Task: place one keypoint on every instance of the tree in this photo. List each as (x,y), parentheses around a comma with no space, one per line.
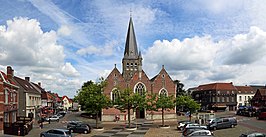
(127,100)
(188,103)
(92,99)
(179,88)
(164,103)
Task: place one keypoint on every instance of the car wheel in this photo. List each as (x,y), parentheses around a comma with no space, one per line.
(214,128)
(85,132)
(232,126)
(42,136)
(71,130)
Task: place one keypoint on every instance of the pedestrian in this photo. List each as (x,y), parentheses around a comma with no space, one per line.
(49,120)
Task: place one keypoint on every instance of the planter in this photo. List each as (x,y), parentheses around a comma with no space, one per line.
(164,127)
(98,129)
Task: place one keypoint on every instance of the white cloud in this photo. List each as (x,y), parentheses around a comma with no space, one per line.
(32,52)
(69,70)
(64,31)
(107,50)
(246,48)
(199,59)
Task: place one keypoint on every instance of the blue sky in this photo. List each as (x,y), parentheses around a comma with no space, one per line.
(63,43)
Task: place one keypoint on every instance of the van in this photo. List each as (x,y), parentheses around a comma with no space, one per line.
(219,123)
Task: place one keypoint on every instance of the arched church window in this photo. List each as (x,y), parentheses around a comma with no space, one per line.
(140,89)
(127,65)
(163,92)
(115,95)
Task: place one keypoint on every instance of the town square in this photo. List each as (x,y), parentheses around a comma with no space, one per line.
(178,68)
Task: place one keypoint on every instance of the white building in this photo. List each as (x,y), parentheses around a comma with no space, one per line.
(244,95)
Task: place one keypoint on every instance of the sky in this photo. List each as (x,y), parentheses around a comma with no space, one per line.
(64,43)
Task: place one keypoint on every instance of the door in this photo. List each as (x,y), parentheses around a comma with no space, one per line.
(140,113)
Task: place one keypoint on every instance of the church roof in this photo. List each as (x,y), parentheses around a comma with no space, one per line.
(131,49)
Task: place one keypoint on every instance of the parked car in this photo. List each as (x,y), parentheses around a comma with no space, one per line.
(72,124)
(59,115)
(63,113)
(80,128)
(181,124)
(247,111)
(225,122)
(190,130)
(252,134)
(261,113)
(56,133)
(201,133)
(53,118)
(193,125)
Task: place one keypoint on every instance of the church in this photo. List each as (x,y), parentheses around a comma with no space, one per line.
(135,78)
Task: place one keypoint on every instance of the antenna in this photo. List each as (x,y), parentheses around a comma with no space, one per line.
(130,13)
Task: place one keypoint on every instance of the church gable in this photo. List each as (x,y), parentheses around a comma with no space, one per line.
(163,81)
(114,80)
(140,78)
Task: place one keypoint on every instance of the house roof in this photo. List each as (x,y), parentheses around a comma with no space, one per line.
(262,92)
(5,79)
(217,86)
(69,100)
(245,89)
(26,85)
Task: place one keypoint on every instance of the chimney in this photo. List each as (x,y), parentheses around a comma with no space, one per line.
(27,79)
(39,84)
(10,72)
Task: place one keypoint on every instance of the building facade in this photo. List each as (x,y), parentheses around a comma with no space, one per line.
(244,95)
(29,97)
(216,96)
(135,78)
(66,102)
(8,99)
(259,99)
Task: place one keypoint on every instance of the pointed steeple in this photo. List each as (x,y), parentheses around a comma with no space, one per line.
(131,49)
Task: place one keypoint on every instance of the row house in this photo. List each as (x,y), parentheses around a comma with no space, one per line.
(8,99)
(259,99)
(29,97)
(244,95)
(216,96)
(66,102)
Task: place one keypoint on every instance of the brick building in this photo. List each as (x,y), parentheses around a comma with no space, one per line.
(259,99)
(216,96)
(135,78)
(8,99)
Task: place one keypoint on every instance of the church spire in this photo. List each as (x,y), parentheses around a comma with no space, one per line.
(131,49)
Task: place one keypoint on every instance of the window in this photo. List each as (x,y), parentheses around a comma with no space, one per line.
(218,92)
(115,95)
(233,99)
(240,98)
(140,89)
(245,98)
(213,99)
(163,92)
(218,99)
(227,99)
(6,96)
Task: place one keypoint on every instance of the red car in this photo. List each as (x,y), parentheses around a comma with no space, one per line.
(261,113)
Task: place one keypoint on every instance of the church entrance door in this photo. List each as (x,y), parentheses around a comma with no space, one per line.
(140,113)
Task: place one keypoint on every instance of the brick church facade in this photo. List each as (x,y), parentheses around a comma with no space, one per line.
(135,78)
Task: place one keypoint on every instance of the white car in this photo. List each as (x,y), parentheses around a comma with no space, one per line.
(201,133)
(194,125)
(53,118)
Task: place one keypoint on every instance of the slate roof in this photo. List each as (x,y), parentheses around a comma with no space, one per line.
(131,49)
(26,85)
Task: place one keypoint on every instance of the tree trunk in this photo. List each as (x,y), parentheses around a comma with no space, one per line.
(163,117)
(97,120)
(128,113)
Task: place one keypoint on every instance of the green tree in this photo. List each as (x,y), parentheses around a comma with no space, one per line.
(188,103)
(151,103)
(164,103)
(179,88)
(92,99)
(127,100)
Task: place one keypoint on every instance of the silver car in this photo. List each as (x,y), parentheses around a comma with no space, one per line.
(56,133)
